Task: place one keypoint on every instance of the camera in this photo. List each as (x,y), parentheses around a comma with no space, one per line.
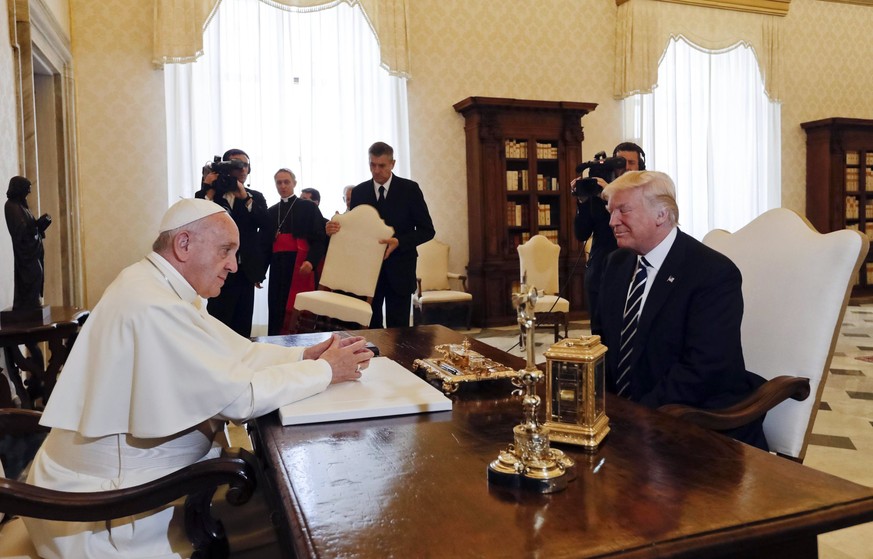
(225,182)
(600,167)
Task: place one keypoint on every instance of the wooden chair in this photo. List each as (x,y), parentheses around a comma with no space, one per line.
(796,285)
(354,258)
(538,262)
(197,482)
(434,293)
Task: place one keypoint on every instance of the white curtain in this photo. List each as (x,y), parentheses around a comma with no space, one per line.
(300,90)
(710,125)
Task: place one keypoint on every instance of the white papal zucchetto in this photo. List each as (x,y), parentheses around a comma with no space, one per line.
(187,210)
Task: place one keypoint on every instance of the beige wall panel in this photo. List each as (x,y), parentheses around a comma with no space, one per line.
(8,152)
(122,136)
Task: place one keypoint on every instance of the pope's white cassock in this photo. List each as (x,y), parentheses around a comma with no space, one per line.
(139,397)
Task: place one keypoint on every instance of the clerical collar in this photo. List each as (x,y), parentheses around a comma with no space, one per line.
(177,282)
(286,200)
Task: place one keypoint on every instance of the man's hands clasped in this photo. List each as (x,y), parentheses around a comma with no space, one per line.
(347,357)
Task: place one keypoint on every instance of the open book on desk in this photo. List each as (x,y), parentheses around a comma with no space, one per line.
(385,388)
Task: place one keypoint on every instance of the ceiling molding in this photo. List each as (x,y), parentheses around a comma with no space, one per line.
(769,7)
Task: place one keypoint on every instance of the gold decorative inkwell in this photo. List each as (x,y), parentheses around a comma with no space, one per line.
(459,364)
(529,462)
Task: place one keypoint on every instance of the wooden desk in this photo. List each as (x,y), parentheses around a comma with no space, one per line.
(416,486)
(60,334)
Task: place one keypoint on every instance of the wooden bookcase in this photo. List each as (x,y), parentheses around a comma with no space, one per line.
(839,181)
(521,157)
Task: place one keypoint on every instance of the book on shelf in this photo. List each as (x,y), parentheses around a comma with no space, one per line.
(544,214)
(515,214)
(852,178)
(546,150)
(550,234)
(852,158)
(515,149)
(869,270)
(516,180)
(852,209)
(869,158)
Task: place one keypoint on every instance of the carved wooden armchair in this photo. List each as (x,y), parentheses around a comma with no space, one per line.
(796,286)
(354,258)
(434,292)
(197,482)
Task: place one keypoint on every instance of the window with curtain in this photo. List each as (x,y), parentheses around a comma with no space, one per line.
(710,125)
(302,89)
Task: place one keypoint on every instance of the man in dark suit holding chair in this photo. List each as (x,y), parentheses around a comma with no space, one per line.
(670,308)
(401,205)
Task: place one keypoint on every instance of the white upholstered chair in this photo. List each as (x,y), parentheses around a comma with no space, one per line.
(796,285)
(354,258)
(434,293)
(538,260)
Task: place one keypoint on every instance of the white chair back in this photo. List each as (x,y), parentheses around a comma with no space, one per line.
(796,285)
(538,258)
(354,256)
(432,267)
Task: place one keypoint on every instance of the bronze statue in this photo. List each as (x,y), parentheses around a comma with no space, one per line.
(27,234)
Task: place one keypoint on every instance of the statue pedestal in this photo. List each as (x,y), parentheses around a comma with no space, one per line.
(39,315)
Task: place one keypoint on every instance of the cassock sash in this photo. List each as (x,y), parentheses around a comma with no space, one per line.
(286,242)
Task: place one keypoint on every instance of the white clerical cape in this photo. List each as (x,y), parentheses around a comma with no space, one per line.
(150,362)
(149,365)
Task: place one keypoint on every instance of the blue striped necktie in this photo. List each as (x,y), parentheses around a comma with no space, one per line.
(629,327)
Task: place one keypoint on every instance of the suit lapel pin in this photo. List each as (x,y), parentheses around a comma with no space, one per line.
(670,279)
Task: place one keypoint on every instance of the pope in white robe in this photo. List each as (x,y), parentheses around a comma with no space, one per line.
(152,377)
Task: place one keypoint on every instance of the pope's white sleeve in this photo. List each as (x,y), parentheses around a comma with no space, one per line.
(280,377)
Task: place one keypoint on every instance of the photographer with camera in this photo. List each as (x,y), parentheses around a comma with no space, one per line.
(592,219)
(224,184)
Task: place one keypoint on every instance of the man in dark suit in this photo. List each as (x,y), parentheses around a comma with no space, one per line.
(248,208)
(401,204)
(680,341)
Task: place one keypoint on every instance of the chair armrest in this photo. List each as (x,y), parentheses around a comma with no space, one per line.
(418,287)
(461,277)
(765,398)
(235,467)
(19,422)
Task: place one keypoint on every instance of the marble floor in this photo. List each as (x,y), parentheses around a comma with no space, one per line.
(842,439)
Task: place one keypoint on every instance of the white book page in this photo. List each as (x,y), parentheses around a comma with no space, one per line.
(385,388)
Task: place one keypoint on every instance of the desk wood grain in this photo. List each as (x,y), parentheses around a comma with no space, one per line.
(416,486)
